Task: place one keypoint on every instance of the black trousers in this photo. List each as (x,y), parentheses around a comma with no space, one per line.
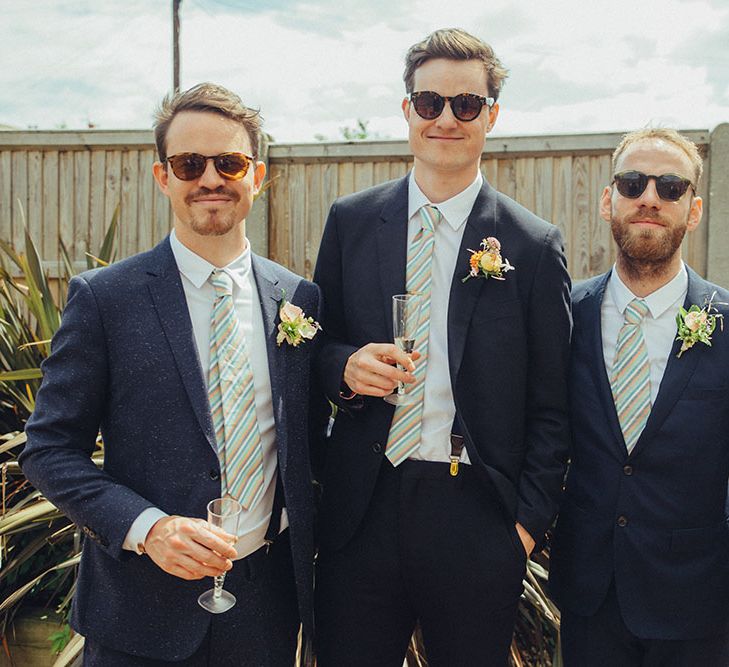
(603,640)
(260,630)
(432,548)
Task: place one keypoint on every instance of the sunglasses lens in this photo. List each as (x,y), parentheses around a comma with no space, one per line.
(466,107)
(631,184)
(428,105)
(671,187)
(187,166)
(232,166)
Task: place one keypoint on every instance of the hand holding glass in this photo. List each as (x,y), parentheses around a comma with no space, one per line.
(405,321)
(223,513)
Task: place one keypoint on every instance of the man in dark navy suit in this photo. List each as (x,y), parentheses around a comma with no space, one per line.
(640,561)
(132,357)
(431,510)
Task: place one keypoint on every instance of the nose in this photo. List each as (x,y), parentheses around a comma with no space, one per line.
(446,119)
(210,178)
(650,197)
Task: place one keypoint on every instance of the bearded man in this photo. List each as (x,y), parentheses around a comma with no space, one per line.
(640,561)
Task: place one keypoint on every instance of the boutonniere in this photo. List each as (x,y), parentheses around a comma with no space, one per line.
(488,262)
(696,325)
(295,327)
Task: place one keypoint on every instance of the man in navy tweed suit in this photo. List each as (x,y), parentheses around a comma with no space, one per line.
(131,358)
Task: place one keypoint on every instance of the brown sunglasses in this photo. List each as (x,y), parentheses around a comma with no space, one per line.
(190,166)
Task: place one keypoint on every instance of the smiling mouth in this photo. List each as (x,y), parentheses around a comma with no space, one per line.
(211,200)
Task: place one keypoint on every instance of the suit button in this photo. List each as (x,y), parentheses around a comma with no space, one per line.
(622,521)
(628,470)
(214,475)
(377,448)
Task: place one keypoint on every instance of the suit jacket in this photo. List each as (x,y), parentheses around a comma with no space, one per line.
(125,360)
(655,519)
(508,347)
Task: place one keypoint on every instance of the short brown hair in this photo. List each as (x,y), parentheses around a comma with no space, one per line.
(455,44)
(208,97)
(668,135)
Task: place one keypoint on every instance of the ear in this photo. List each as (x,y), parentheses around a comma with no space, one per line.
(493,115)
(159,170)
(606,203)
(259,173)
(695,212)
(405,106)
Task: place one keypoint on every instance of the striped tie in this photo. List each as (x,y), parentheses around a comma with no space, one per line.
(232,400)
(404,436)
(630,383)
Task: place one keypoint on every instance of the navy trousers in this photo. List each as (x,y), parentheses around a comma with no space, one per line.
(434,549)
(261,629)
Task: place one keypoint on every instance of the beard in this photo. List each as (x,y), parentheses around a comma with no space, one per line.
(647,252)
(213,222)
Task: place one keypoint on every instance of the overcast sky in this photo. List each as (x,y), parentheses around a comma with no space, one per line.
(313,67)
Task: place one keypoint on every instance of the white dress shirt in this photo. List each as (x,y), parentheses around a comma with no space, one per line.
(658,326)
(439,408)
(200,297)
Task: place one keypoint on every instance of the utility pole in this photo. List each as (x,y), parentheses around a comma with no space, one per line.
(176,45)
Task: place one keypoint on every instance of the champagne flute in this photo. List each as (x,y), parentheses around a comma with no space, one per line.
(405,320)
(223,513)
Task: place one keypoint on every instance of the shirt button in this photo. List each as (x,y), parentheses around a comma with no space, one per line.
(377,448)
(214,475)
(622,521)
(628,470)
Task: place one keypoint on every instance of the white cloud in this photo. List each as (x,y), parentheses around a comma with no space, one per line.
(576,65)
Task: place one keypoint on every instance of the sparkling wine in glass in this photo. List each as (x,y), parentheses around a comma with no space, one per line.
(405,320)
(223,513)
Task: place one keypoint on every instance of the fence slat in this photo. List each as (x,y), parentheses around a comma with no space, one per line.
(580,251)
(6,195)
(278,239)
(34,211)
(562,202)
(81,204)
(129,217)
(602,248)
(66,199)
(19,200)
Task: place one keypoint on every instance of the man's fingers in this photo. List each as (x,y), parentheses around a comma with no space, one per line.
(392,354)
(216,539)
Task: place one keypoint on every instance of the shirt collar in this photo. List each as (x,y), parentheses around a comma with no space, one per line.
(455,211)
(197,270)
(659,301)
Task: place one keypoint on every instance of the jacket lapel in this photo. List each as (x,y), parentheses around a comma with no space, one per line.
(270,297)
(392,248)
(169,301)
(678,371)
(590,325)
(464,296)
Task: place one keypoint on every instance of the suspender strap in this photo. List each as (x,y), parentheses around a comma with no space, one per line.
(279,501)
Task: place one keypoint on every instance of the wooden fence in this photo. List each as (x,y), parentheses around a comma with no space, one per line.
(70,183)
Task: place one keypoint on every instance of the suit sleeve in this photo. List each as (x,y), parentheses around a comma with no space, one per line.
(547,428)
(334,351)
(62,430)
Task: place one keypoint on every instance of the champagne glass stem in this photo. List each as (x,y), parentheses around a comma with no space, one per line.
(218,585)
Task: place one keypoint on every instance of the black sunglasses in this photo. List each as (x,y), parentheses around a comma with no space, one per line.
(190,166)
(465,107)
(670,187)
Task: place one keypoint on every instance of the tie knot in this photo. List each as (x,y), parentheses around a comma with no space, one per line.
(636,310)
(430,217)
(222,283)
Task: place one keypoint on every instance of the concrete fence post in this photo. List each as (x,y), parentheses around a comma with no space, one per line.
(718,233)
